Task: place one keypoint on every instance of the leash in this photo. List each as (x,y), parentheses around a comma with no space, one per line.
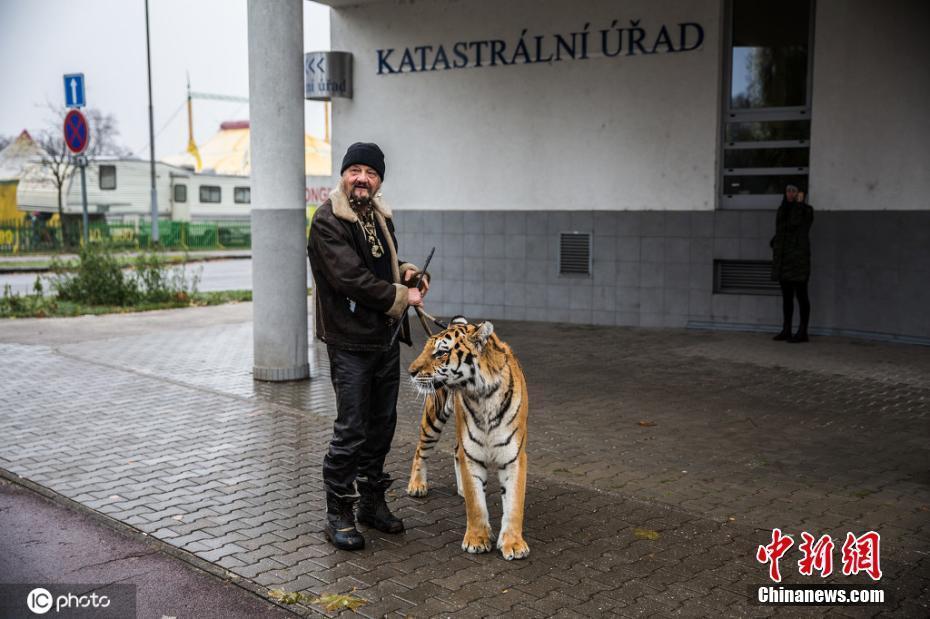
(400,323)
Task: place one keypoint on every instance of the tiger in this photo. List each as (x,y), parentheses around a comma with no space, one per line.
(468,371)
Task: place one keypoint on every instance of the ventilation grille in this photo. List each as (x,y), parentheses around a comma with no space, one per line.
(575,253)
(744,277)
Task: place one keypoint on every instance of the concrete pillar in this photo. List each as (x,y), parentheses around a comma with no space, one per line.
(279,245)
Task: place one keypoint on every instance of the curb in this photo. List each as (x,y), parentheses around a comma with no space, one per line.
(159,545)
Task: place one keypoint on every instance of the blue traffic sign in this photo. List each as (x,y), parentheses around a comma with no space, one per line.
(74,90)
(77,135)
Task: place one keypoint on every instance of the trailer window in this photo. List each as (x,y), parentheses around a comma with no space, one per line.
(242,195)
(107,177)
(180,193)
(210,194)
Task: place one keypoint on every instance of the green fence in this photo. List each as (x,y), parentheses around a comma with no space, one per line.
(22,237)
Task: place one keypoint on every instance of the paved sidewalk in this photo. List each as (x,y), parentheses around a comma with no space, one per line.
(710,440)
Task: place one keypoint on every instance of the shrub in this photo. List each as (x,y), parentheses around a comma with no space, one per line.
(99,279)
(34,305)
(158,282)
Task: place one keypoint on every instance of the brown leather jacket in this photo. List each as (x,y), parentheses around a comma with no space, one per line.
(355,310)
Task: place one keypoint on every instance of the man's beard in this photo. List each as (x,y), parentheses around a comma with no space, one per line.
(360,202)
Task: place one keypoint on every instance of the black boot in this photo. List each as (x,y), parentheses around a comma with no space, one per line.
(800,336)
(783,335)
(373,510)
(340,523)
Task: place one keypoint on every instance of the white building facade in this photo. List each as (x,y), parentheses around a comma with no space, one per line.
(620,163)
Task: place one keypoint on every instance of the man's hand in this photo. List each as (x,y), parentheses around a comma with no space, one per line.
(409,274)
(414,297)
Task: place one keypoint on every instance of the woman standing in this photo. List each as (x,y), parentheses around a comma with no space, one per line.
(791,260)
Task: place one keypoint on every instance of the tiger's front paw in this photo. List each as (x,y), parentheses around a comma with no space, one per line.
(512,546)
(417,487)
(477,540)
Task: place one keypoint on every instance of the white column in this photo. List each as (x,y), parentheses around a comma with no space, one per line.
(279,245)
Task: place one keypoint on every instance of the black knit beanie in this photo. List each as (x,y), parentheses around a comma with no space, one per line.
(365,153)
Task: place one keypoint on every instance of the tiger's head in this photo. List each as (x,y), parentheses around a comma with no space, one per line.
(454,358)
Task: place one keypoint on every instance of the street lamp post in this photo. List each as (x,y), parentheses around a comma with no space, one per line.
(154,191)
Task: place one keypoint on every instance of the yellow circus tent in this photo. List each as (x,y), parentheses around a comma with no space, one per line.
(227,152)
(13,160)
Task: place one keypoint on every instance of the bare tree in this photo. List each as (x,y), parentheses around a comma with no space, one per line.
(57,160)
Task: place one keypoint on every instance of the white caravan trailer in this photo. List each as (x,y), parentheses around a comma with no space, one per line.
(118,190)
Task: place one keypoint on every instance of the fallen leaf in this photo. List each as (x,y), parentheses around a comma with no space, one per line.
(333,602)
(647,424)
(645,534)
(286,597)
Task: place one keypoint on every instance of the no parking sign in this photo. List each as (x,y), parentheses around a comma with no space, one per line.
(77,133)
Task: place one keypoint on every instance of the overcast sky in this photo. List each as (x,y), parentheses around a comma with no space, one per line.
(41,40)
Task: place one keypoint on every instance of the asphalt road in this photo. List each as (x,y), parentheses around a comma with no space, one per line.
(214,275)
(43,544)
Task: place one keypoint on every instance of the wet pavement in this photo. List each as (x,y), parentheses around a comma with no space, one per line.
(659,461)
(44,542)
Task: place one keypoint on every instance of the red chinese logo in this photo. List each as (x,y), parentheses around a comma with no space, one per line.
(773,552)
(860,554)
(817,555)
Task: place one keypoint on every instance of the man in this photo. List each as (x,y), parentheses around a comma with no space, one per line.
(360,295)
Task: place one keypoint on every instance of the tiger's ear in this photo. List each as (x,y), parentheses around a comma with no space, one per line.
(482,333)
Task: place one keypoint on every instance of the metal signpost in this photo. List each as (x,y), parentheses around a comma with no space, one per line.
(77,136)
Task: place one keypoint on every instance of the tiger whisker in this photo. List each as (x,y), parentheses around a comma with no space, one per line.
(424,386)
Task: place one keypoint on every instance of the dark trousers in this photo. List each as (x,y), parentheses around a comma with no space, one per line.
(789,290)
(366,385)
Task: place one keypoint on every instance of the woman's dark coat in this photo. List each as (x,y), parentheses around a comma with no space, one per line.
(791,245)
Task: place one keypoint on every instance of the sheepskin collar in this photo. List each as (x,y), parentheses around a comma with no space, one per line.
(342,210)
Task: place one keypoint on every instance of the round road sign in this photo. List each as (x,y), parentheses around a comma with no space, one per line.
(77,134)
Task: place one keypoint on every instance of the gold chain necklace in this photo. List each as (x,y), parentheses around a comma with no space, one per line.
(367,222)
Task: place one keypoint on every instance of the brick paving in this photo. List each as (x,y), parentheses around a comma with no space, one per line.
(163,429)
